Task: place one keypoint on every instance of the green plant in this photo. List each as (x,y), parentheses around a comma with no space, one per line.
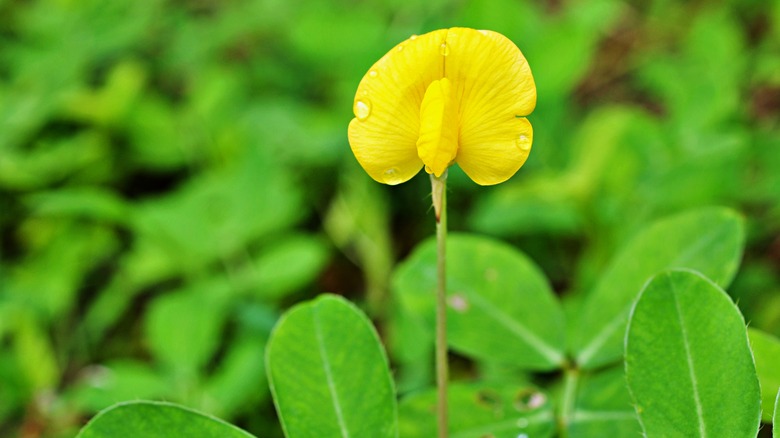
(683,334)
(175,176)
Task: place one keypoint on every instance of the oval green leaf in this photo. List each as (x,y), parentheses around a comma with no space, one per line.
(766,352)
(708,240)
(688,362)
(184,328)
(157,420)
(500,306)
(328,373)
(480,410)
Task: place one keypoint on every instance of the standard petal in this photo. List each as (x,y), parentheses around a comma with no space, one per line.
(383,135)
(494,88)
(496,157)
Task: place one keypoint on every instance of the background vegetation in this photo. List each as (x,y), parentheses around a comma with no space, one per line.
(175,174)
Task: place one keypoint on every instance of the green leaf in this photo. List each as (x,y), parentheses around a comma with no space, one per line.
(708,240)
(328,372)
(239,381)
(766,352)
(289,265)
(83,202)
(157,420)
(501,307)
(688,362)
(480,410)
(107,384)
(602,406)
(776,417)
(185,328)
(35,352)
(216,214)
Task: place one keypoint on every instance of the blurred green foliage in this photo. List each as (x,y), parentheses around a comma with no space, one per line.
(174,174)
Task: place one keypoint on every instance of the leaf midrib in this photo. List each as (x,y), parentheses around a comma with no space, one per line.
(689,360)
(332,390)
(548,352)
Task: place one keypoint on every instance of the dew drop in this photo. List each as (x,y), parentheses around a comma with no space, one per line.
(392,176)
(372,73)
(483,32)
(362,109)
(413,37)
(400,47)
(529,400)
(523,143)
(444,49)
(459,303)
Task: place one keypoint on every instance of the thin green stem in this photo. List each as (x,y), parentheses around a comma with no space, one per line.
(439,189)
(571,376)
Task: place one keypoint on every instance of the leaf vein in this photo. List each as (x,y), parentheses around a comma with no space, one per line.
(689,360)
(333,391)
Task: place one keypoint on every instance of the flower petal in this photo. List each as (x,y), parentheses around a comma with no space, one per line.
(383,135)
(494,86)
(496,157)
(438,142)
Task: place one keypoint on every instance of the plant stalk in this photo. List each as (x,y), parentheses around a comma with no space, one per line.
(439,192)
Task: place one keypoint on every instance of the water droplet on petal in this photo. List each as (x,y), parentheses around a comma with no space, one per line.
(392,176)
(483,32)
(444,49)
(372,73)
(524,143)
(413,37)
(400,47)
(459,303)
(362,109)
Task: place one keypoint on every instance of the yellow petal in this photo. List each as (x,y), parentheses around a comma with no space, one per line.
(438,142)
(498,157)
(494,88)
(383,135)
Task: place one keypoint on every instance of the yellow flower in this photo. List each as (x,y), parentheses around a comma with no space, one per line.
(450,96)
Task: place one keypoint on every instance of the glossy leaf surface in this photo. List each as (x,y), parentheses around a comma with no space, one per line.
(685,336)
(328,373)
(708,240)
(480,410)
(500,306)
(157,420)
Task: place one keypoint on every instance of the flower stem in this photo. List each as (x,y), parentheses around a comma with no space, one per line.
(439,190)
